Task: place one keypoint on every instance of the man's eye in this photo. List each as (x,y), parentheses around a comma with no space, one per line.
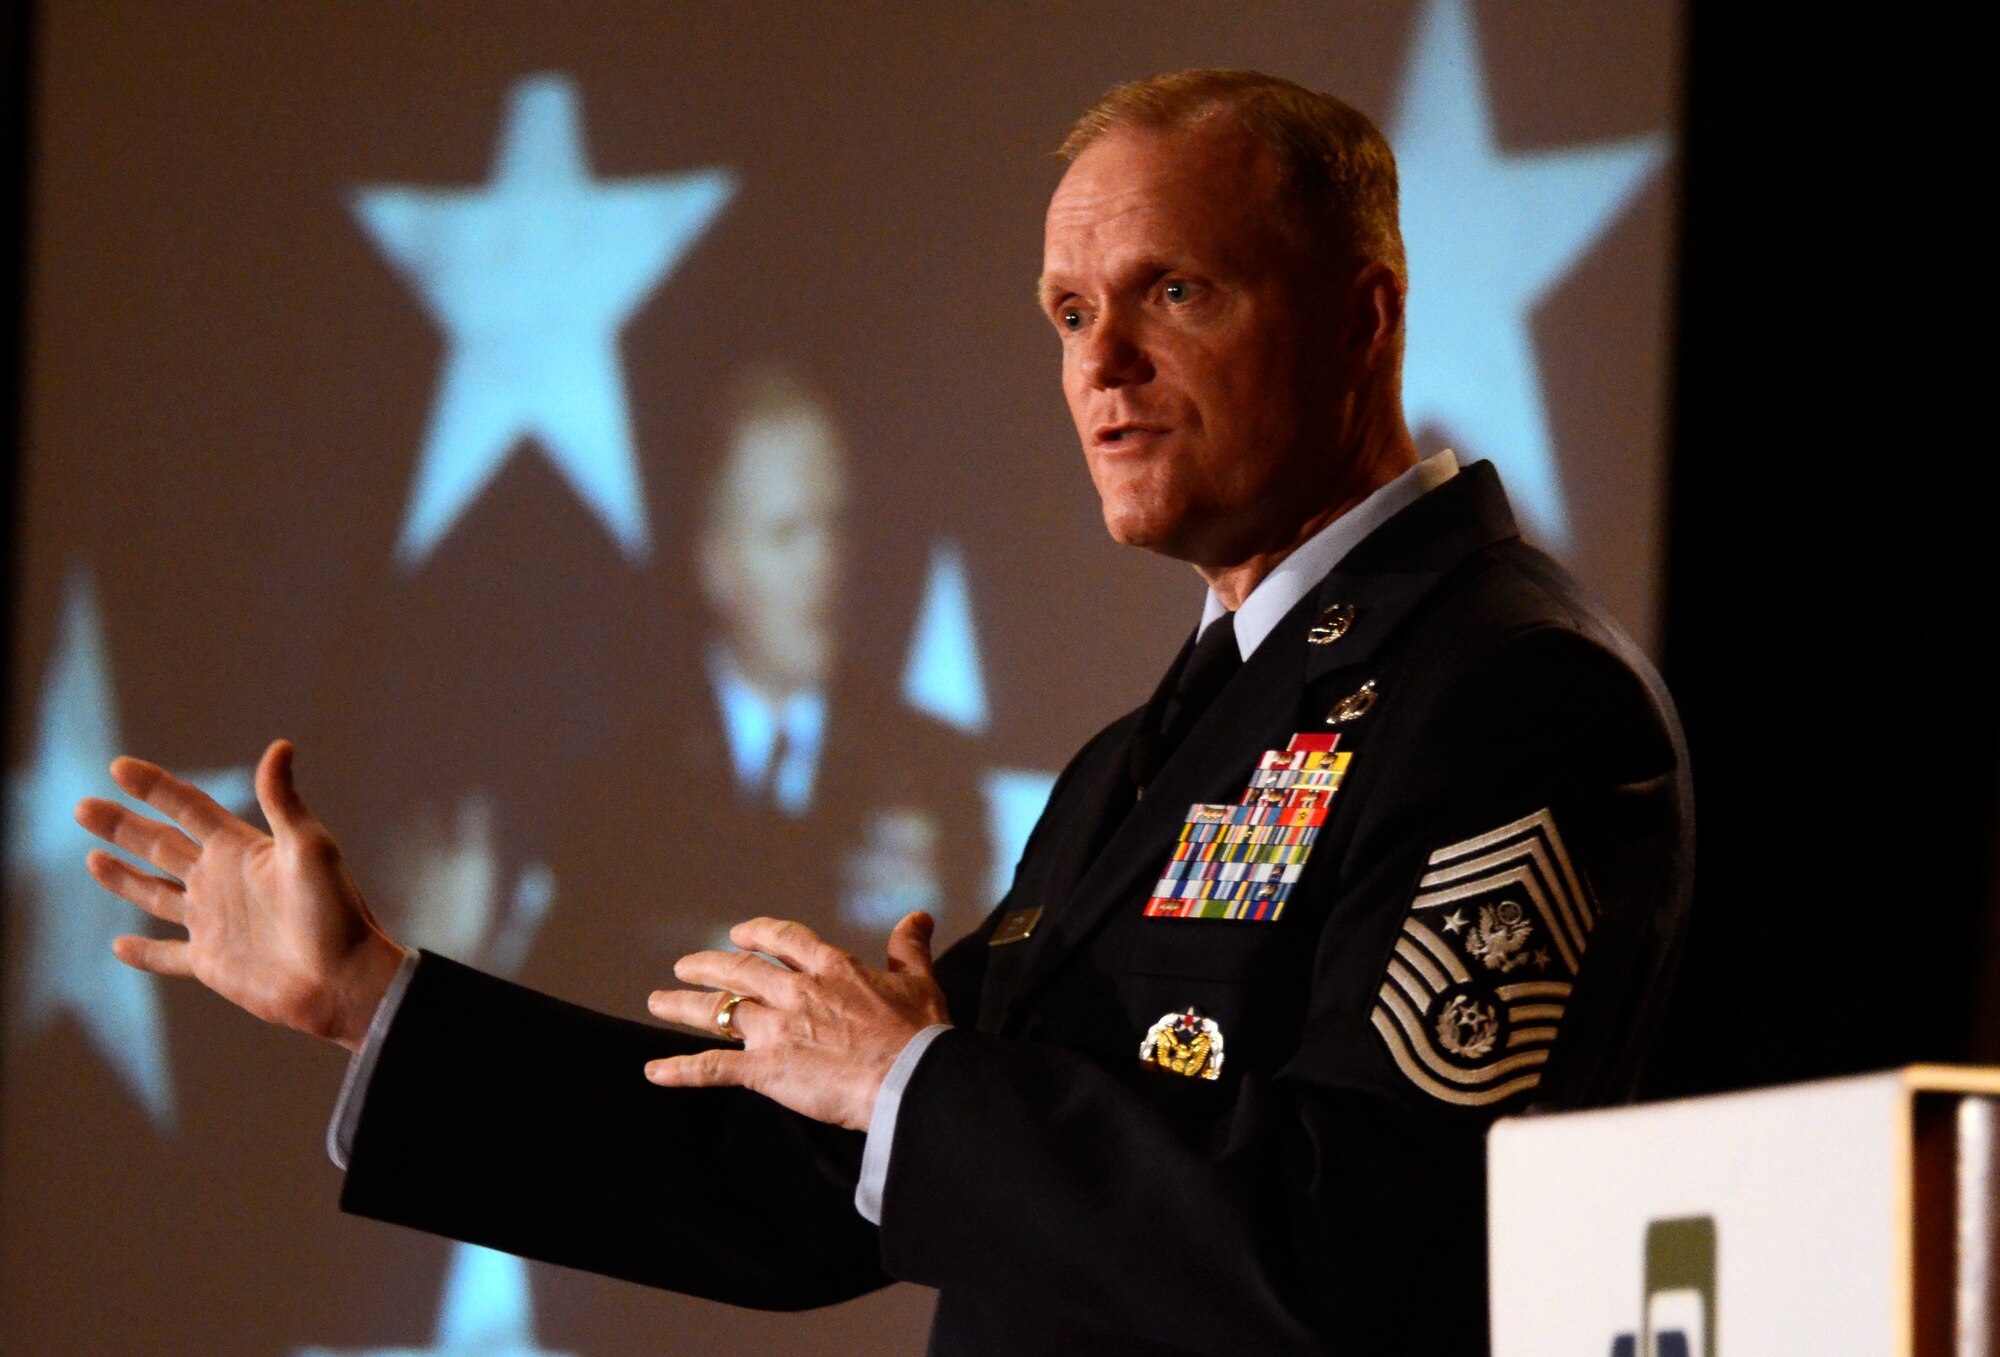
(1175,292)
(1070,318)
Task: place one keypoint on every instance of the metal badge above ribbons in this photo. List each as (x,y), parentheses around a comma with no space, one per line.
(1241,861)
(1331,624)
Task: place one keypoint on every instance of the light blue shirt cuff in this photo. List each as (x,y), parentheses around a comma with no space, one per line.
(361,1066)
(882,1126)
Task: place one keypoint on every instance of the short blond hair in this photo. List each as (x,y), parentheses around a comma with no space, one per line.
(1339,173)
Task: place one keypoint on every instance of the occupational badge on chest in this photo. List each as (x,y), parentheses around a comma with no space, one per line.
(1241,861)
(1184,1043)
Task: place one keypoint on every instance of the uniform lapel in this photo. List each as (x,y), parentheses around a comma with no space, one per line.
(1383,580)
(1088,805)
(1210,764)
(1107,800)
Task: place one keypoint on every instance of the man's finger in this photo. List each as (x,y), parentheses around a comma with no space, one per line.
(161,956)
(719,1068)
(792,943)
(741,973)
(187,805)
(284,809)
(159,844)
(159,897)
(698,1008)
(910,945)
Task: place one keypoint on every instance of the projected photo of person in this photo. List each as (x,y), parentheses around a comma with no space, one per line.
(447,885)
(770,772)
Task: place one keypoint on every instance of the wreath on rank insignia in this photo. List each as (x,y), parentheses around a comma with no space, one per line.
(1468,1028)
(1474,992)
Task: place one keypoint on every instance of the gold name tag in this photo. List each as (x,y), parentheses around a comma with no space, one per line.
(1015,927)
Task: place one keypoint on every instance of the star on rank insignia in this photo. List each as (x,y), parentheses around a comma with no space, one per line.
(1241,861)
(1482,969)
(1184,1043)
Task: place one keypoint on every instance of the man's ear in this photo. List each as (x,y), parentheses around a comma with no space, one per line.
(1375,312)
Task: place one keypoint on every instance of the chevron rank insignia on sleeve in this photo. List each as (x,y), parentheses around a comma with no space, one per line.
(1482,969)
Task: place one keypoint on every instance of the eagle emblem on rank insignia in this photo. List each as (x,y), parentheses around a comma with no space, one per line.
(1184,1043)
(1500,936)
(1480,976)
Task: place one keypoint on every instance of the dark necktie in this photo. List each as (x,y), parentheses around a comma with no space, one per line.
(1210,664)
(771,790)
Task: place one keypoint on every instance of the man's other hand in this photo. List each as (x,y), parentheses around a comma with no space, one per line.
(274,923)
(818,1037)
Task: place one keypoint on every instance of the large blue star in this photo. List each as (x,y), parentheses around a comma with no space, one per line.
(1488,234)
(68,962)
(531,279)
(487,1312)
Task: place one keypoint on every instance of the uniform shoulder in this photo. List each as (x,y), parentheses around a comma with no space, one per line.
(1510,598)
(1511,586)
(1510,644)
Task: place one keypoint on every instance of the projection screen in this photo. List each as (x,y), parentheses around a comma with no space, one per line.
(619,445)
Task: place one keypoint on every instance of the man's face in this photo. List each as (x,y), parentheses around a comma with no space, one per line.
(771,555)
(1202,361)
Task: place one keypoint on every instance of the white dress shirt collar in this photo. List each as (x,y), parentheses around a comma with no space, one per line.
(1294,576)
(753,725)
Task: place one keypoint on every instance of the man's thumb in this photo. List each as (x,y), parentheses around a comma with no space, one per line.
(910,945)
(283,807)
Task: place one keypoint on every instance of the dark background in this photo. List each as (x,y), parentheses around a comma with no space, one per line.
(1830,586)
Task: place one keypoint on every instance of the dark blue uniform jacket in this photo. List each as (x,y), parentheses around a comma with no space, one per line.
(1484,925)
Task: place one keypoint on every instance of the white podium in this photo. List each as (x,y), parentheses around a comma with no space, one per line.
(1850,1218)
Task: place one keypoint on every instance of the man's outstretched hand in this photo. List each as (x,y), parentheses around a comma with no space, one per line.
(818,1037)
(274,923)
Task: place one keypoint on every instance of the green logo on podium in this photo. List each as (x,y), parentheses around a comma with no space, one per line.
(1678,1308)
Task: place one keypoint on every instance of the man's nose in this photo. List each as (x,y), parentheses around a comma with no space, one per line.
(1113,354)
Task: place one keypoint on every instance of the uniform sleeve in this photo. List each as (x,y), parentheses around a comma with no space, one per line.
(882,1123)
(1323,1199)
(361,1065)
(510,1119)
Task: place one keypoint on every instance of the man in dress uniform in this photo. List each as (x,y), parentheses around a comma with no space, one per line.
(1207,1080)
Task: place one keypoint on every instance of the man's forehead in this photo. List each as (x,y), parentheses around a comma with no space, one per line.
(1162,162)
(1168,188)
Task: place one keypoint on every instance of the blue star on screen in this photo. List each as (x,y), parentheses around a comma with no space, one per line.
(1488,234)
(1015,799)
(487,1312)
(942,676)
(68,966)
(531,277)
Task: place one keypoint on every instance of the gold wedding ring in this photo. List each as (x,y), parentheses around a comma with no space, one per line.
(725,1017)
